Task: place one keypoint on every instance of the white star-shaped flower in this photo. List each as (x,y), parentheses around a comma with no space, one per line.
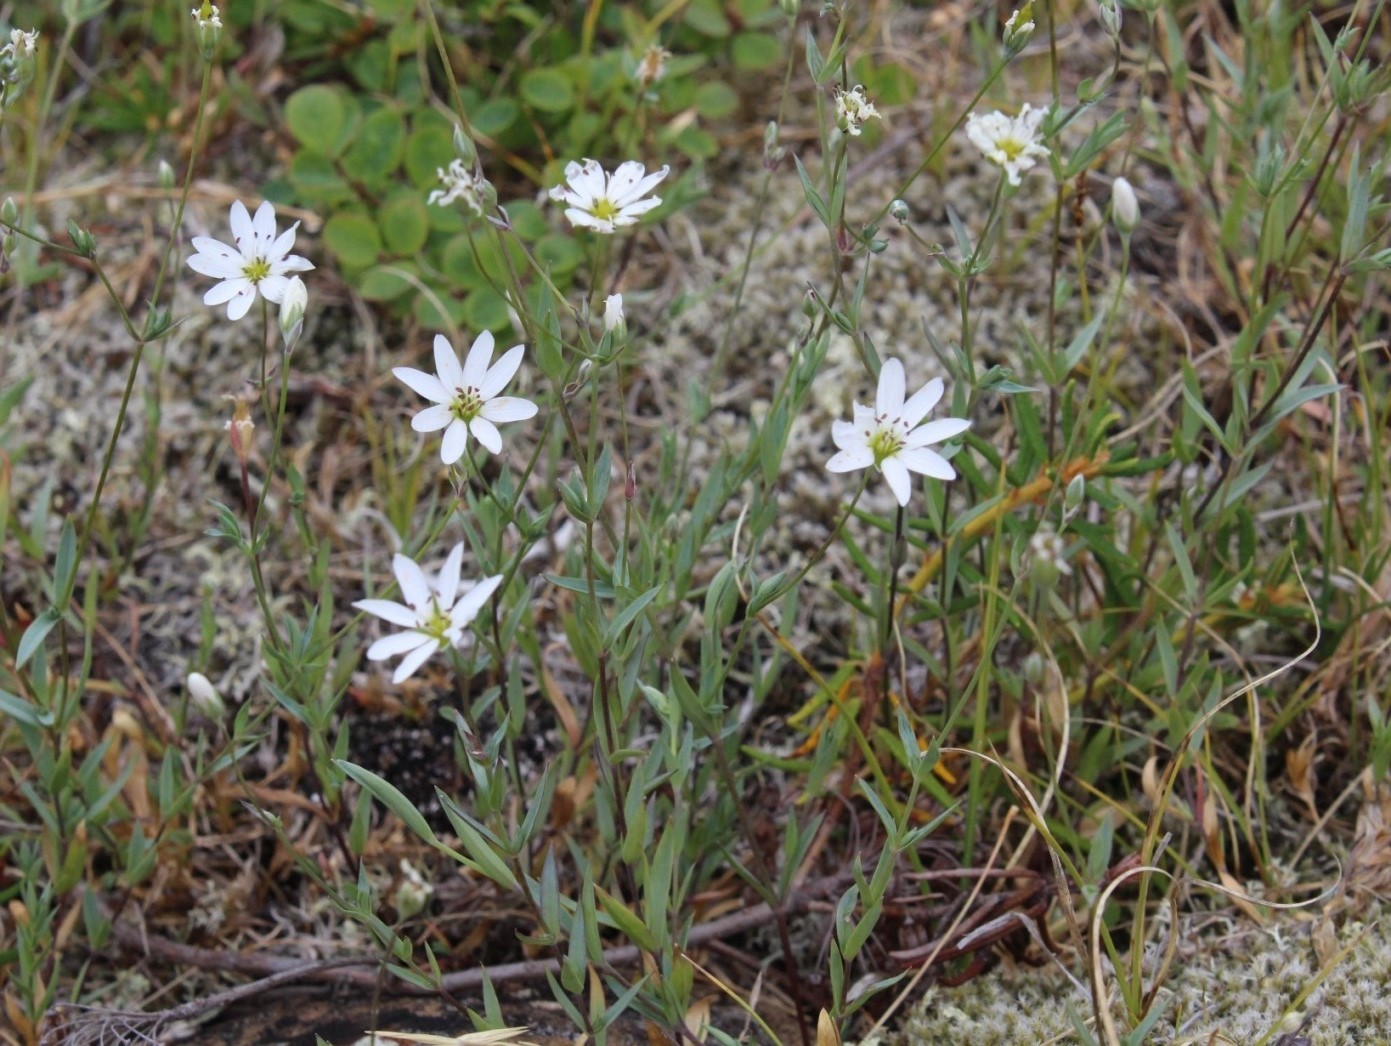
(260,261)
(889,436)
(1011,142)
(603,202)
(459,183)
(434,615)
(465,398)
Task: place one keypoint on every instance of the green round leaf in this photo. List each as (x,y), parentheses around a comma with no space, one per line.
(716,99)
(484,310)
(428,149)
(317,180)
(560,251)
(756,51)
(495,115)
(387,282)
(427,310)
(316,117)
(548,90)
(377,147)
(707,17)
(404,223)
(353,238)
(527,220)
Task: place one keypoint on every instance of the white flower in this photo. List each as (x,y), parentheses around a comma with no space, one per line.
(889,436)
(22,44)
(603,202)
(1011,142)
(260,261)
(460,183)
(1125,208)
(613,314)
(853,109)
(466,397)
(207,17)
(434,616)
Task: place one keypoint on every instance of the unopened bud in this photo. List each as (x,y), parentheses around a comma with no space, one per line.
(630,482)
(810,305)
(1111,18)
(1075,494)
(1019,27)
(204,696)
(164,175)
(207,26)
(82,240)
(412,892)
(239,431)
(772,151)
(9,212)
(614,321)
(464,147)
(1125,208)
(292,308)
(898,211)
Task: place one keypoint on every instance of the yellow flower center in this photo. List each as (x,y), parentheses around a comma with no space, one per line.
(256,270)
(436,623)
(467,403)
(1013,148)
(604,209)
(887,440)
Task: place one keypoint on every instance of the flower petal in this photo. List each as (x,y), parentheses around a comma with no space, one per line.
(472,601)
(282,243)
(496,377)
(243,233)
(226,291)
(448,586)
(922,401)
(399,643)
(502,409)
(291,263)
(936,431)
(850,459)
(847,435)
(240,304)
(626,198)
(415,586)
(432,418)
(423,384)
(476,365)
(487,434)
(899,481)
(412,661)
(928,462)
(390,611)
(888,401)
(451,375)
(454,443)
(273,287)
(263,222)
